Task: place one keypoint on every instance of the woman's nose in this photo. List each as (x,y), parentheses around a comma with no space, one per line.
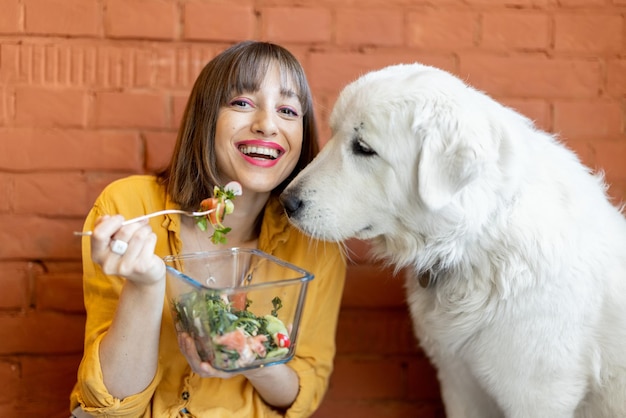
(264,123)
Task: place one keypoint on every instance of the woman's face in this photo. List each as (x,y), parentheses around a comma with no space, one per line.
(258,137)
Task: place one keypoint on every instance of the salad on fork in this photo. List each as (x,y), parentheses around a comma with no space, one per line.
(213,210)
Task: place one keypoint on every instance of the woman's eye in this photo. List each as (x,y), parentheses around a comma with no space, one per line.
(240,103)
(288,111)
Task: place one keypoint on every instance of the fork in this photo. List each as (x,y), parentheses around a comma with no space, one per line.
(152,215)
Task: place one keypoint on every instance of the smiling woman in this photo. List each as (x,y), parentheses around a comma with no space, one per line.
(249,119)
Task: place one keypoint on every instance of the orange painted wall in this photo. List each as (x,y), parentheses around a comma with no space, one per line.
(92,90)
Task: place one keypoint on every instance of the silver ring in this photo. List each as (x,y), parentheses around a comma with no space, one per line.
(119,247)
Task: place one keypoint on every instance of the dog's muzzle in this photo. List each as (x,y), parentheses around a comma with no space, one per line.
(291,202)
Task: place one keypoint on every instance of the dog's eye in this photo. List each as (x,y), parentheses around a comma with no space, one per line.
(361,148)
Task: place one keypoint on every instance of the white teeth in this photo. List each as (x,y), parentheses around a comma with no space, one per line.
(248,149)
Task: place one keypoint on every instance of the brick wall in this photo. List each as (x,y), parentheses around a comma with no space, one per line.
(92,90)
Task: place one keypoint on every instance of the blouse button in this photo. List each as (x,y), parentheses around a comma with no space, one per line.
(185,395)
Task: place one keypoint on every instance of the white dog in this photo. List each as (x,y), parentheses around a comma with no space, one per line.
(517,287)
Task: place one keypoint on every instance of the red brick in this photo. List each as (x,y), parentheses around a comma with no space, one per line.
(532,76)
(6,190)
(179,102)
(128,109)
(62,17)
(57,409)
(610,157)
(91,64)
(143,68)
(617,191)
(582,148)
(150,19)
(57,193)
(28,149)
(347,67)
(11,17)
(366,408)
(10,381)
(62,292)
(159,147)
(178,67)
(510,3)
(15,283)
(586,4)
(36,107)
(219,21)
(296,25)
(595,119)
(372,285)
(62,266)
(40,238)
(41,332)
(9,69)
(96,182)
(46,384)
(374,378)
(9,409)
(4,104)
(616,77)
(379,27)
(376,331)
(431,29)
(114,66)
(539,111)
(588,33)
(301,52)
(515,30)
(422,380)
(67,63)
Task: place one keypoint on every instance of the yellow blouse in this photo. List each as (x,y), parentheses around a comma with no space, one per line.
(175,387)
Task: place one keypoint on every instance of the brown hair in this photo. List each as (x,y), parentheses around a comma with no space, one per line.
(192,172)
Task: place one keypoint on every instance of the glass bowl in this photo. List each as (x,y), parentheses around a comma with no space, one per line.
(241,306)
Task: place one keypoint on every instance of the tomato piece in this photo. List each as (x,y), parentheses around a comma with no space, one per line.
(282,340)
(214,203)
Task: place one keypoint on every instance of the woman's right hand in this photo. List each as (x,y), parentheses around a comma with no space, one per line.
(129,350)
(138,262)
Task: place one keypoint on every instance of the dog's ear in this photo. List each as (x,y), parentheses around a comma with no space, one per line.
(445,166)
(464,138)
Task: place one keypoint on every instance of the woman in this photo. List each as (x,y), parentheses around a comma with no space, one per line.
(249,119)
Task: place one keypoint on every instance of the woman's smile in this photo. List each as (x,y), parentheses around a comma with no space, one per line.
(260,153)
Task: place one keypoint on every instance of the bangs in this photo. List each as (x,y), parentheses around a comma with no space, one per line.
(247,74)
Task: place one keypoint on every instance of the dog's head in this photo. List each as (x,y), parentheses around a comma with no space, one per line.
(413,149)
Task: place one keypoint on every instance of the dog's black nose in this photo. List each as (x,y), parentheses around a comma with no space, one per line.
(291,202)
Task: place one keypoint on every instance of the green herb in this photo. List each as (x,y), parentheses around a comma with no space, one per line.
(219,235)
(277,304)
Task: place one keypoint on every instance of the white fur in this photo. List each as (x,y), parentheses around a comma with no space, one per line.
(525,315)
